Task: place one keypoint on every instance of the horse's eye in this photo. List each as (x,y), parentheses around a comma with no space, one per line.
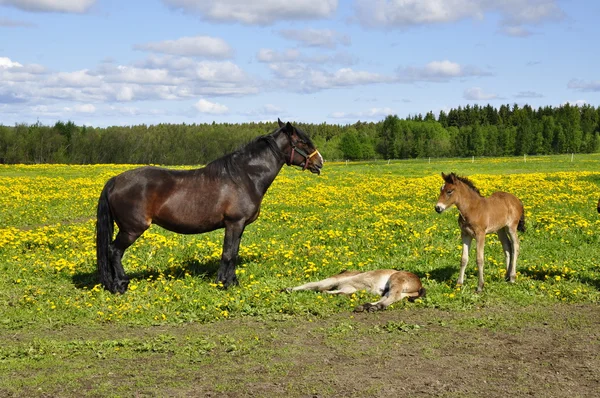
(449,192)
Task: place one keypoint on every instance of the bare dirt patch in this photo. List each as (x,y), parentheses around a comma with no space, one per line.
(551,351)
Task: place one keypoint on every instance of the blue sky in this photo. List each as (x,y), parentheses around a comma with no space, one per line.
(113,62)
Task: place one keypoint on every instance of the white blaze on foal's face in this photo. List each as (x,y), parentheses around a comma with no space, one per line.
(445,198)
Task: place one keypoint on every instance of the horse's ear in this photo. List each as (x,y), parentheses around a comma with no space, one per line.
(280,122)
(443,176)
(289,128)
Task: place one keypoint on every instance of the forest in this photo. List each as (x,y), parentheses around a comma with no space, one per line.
(465,131)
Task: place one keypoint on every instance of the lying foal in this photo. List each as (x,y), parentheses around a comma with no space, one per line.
(391,284)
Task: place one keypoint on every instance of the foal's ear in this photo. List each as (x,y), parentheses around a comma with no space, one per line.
(443,176)
(279,122)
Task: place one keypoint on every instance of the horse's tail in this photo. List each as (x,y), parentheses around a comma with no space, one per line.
(104,235)
(422,293)
(521,225)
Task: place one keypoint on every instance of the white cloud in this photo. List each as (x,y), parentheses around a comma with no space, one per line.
(68,6)
(84,108)
(582,85)
(257,12)
(202,46)
(438,71)
(268,55)
(372,113)
(270,108)
(295,57)
(409,13)
(326,38)
(6,63)
(477,94)
(344,77)
(528,94)
(204,106)
(167,78)
(124,93)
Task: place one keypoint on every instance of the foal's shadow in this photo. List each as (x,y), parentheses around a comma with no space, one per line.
(206,271)
(439,274)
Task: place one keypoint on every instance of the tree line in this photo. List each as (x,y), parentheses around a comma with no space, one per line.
(464,131)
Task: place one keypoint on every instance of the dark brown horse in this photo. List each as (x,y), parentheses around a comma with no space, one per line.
(227,193)
(501,212)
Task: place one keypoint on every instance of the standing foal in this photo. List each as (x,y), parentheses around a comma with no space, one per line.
(501,212)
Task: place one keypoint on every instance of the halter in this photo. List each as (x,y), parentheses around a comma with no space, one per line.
(302,153)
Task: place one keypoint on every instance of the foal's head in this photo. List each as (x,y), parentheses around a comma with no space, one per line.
(451,191)
(303,152)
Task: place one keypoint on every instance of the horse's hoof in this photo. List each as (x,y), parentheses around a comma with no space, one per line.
(121,287)
(360,308)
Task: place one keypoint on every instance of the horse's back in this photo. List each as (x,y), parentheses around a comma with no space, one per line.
(504,209)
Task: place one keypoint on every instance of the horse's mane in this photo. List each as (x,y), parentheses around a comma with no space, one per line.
(230,165)
(450,177)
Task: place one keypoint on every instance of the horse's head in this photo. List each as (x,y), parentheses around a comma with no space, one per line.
(302,151)
(447,193)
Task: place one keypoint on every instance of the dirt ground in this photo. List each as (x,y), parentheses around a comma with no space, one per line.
(490,353)
(550,351)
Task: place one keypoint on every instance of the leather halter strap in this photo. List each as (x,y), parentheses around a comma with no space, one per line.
(302,153)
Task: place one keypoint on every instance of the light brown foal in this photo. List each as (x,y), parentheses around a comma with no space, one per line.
(392,285)
(501,212)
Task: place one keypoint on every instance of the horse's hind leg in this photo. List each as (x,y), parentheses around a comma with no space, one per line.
(117,249)
(480,240)
(397,289)
(467,240)
(507,248)
(516,245)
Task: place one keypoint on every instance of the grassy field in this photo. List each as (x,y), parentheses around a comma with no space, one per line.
(54,316)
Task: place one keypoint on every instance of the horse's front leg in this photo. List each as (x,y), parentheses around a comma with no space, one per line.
(231,246)
(480,239)
(466,239)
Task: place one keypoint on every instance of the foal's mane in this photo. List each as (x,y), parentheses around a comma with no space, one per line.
(450,177)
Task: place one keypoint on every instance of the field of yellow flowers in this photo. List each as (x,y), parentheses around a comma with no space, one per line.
(353,216)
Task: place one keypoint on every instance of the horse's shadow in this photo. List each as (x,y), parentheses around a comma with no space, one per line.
(204,270)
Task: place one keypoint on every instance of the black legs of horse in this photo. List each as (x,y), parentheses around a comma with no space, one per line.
(231,245)
(109,252)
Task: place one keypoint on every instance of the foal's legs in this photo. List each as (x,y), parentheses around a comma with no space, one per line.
(397,290)
(320,286)
(515,253)
(467,240)
(231,246)
(507,247)
(480,240)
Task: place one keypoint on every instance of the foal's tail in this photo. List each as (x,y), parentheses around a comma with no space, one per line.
(521,225)
(104,235)
(422,293)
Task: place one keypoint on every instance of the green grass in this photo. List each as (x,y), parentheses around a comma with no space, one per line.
(363,215)
(60,330)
